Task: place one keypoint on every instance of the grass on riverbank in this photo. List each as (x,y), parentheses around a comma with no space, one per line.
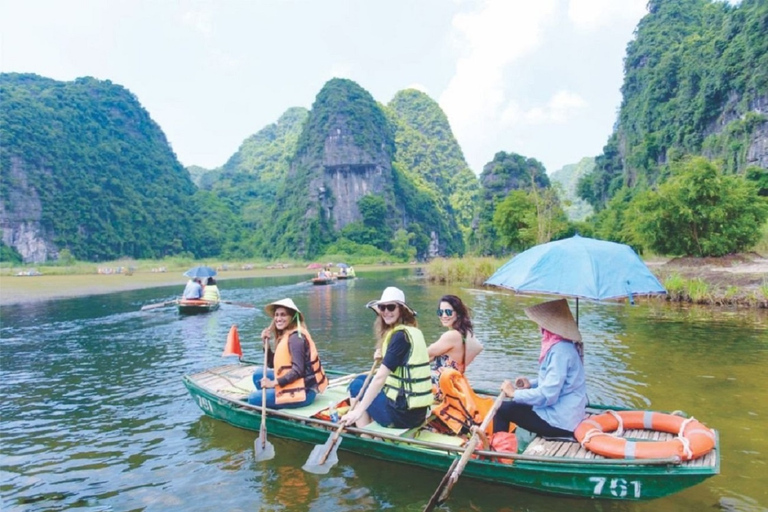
(709,288)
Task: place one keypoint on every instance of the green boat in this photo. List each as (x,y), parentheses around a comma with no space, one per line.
(197,306)
(551,466)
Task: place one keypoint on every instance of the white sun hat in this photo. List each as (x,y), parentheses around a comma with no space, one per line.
(389,295)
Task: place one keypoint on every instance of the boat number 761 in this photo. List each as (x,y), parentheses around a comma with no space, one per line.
(617,487)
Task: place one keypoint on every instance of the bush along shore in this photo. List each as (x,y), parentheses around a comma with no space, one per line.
(734,280)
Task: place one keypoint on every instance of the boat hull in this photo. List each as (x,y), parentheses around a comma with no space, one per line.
(196,307)
(595,478)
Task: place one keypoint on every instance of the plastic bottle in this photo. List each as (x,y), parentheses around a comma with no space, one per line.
(333,413)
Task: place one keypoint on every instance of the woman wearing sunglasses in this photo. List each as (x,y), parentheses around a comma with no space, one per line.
(400,393)
(457,347)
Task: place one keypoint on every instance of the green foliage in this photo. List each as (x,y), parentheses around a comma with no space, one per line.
(427,147)
(349,249)
(694,75)
(401,246)
(9,254)
(568,178)
(107,180)
(507,172)
(700,212)
(514,220)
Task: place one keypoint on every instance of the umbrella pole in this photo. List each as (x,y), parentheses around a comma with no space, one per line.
(577,311)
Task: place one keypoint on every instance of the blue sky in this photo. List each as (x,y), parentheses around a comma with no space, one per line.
(539,78)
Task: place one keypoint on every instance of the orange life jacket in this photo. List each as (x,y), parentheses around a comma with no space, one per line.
(461,408)
(296,391)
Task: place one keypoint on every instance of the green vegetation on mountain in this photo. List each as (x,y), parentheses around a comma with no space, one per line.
(694,75)
(99,171)
(567,180)
(433,153)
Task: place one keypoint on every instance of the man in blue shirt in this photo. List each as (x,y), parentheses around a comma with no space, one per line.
(193,290)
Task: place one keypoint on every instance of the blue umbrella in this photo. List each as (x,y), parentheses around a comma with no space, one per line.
(200,272)
(578,267)
(342,265)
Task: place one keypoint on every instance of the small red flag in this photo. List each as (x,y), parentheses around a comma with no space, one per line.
(232,347)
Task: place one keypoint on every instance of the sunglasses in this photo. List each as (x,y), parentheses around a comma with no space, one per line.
(387,307)
(446,312)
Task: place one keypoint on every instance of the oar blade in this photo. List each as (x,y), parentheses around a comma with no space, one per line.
(158,305)
(263,449)
(440,495)
(315,463)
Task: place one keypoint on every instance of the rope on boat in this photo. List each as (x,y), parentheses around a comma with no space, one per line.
(684,440)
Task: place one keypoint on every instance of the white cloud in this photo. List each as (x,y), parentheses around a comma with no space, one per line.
(594,14)
(491,38)
(199,21)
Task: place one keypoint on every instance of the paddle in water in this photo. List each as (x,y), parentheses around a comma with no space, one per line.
(262,448)
(323,457)
(160,305)
(452,476)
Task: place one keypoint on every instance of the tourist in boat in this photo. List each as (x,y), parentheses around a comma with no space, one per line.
(295,375)
(193,290)
(211,291)
(553,404)
(400,393)
(457,347)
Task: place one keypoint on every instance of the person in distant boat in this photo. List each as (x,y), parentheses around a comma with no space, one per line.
(351,272)
(554,404)
(457,347)
(211,291)
(400,393)
(295,375)
(193,290)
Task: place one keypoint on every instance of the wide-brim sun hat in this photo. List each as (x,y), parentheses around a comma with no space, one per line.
(389,295)
(555,316)
(283,303)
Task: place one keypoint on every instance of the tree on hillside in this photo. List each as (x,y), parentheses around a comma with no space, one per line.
(700,211)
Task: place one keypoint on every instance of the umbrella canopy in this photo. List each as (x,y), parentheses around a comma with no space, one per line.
(315,265)
(578,267)
(342,265)
(200,272)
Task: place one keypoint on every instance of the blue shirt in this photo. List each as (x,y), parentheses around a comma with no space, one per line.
(193,290)
(559,394)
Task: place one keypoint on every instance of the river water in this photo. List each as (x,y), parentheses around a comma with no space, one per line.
(94,415)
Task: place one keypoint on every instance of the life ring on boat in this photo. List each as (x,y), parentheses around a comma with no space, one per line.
(596,435)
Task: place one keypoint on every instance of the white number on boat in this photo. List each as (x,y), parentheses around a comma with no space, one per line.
(617,487)
(205,404)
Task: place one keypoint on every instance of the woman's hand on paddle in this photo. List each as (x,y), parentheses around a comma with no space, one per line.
(351,417)
(522,383)
(266,334)
(267,383)
(377,354)
(508,389)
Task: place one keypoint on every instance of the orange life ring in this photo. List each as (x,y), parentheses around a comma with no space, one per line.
(693,438)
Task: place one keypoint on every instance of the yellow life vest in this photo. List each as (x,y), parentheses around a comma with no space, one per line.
(296,391)
(211,293)
(414,380)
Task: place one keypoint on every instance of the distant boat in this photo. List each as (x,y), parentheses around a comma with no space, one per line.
(561,467)
(197,306)
(323,280)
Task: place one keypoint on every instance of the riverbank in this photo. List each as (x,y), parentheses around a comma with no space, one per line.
(30,288)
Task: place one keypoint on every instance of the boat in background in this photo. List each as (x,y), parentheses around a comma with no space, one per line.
(197,306)
(560,467)
(323,280)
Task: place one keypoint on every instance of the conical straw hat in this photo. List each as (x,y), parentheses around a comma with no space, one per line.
(283,303)
(555,316)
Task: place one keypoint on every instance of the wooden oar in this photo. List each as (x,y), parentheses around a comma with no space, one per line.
(452,476)
(241,304)
(160,305)
(323,456)
(263,449)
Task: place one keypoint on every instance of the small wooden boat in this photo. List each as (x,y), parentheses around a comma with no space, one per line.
(197,306)
(323,280)
(559,467)
(344,276)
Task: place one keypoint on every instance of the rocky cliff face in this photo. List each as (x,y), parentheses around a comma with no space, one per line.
(757,152)
(20,215)
(348,174)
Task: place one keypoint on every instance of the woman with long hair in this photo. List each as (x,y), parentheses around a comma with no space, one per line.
(400,393)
